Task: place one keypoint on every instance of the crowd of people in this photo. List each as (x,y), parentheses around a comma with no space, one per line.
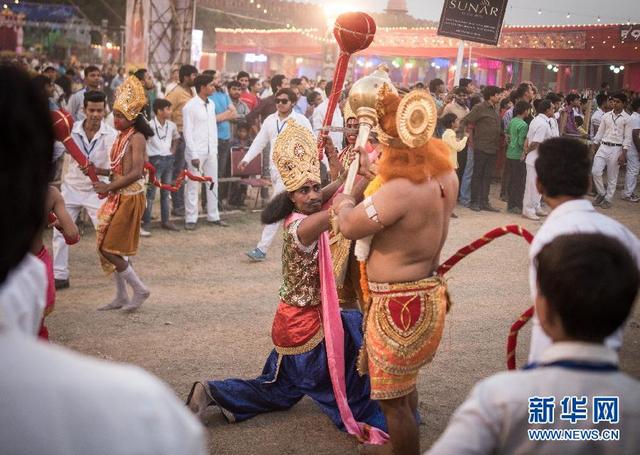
(543,147)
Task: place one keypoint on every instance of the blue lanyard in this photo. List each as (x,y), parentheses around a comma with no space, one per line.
(280,128)
(92,144)
(598,367)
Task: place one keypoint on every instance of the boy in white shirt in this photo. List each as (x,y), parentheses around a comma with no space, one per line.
(161,149)
(574,400)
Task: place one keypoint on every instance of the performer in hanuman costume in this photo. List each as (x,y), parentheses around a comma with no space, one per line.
(403,224)
(315,343)
(120,216)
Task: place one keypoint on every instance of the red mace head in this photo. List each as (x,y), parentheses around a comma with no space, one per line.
(354,31)
(62,124)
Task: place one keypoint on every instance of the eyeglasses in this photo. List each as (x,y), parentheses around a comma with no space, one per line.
(282,100)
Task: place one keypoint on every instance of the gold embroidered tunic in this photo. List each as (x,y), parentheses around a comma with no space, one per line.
(300,272)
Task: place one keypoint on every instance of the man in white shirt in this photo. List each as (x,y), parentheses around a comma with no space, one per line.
(542,127)
(614,139)
(633,162)
(563,179)
(93,82)
(95,138)
(54,401)
(272,126)
(161,149)
(576,387)
(201,152)
(602,102)
(317,118)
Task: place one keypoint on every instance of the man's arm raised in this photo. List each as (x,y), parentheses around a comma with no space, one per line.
(386,207)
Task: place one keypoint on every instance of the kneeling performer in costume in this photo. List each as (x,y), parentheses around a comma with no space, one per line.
(401,227)
(120,216)
(315,343)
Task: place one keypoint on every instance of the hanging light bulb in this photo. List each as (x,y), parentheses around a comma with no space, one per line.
(539,11)
(598,19)
(617,70)
(612,67)
(621,67)
(568,15)
(549,66)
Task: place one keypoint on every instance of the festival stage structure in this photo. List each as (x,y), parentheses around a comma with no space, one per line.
(558,56)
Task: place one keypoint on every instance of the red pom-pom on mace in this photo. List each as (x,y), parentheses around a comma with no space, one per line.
(353,32)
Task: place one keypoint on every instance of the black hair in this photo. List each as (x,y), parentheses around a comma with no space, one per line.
(590,282)
(563,167)
(41,81)
(521,107)
(94,96)
(90,69)
(464,82)
(521,90)
(70,72)
(242,125)
(159,104)
(280,207)
(543,106)
(571,97)
(140,74)
(604,85)
(65,84)
(24,176)
(489,91)
(311,97)
(460,91)
(434,84)
(504,102)
(186,71)
(620,96)
(276,82)
(328,88)
(242,74)
(142,126)
(635,105)
(201,81)
(579,120)
(475,99)
(447,120)
(509,86)
(290,94)
(553,97)
(601,99)
(295,81)
(253,81)
(232,84)
(536,105)
(211,73)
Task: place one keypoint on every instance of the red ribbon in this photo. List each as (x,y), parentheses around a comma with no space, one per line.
(51,219)
(512,340)
(179,181)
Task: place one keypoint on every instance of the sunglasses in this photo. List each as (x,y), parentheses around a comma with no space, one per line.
(282,100)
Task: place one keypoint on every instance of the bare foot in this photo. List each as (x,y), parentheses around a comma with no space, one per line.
(199,400)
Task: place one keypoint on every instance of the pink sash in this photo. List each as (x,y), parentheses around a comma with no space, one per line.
(334,342)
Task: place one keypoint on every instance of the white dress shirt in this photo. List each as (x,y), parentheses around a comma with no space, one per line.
(540,129)
(494,419)
(596,118)
(160,143)
(571,217)
(634,124)
(318,118)
(58,402)
(97,150)
(615,129)
(76,105)
(269,131)
(199,128)
(23,296)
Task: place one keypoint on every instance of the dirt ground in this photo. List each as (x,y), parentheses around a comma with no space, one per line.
(210,312)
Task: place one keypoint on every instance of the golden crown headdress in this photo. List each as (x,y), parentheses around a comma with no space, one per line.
(130,98)
(296,156)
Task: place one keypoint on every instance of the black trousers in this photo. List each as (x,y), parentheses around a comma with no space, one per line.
(224,167)
(517,179)
(483,165)
(462,163)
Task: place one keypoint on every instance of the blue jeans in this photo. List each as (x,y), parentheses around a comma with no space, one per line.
(465,185)
(164,170)
(179,164)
